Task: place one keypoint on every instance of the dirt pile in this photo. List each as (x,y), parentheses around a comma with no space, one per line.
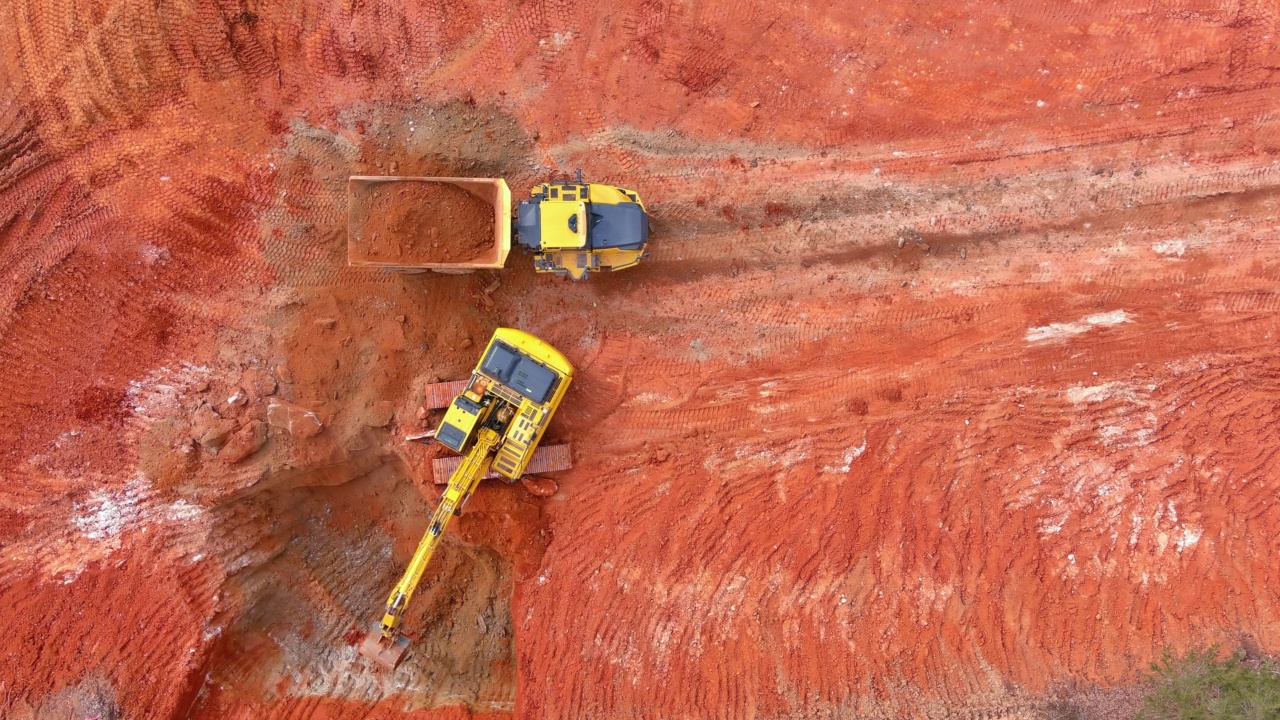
(420,223)
(948,389)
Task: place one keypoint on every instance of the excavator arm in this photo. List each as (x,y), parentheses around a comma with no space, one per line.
(384,644)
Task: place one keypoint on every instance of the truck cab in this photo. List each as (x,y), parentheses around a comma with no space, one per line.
(576,227)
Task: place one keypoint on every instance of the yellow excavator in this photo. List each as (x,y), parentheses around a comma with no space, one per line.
(495,424)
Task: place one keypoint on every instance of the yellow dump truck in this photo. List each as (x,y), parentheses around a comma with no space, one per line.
(571,227)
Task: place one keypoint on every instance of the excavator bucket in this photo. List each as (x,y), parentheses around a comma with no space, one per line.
(411,224)
(387,653)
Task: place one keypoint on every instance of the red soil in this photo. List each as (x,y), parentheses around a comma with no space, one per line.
(420,223)
(950,385)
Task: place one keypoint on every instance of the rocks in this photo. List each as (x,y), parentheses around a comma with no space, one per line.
(202,419)
(540,486)
(381,414)
(214,438)
(209,429)
(246,441)
(293,419)
(258,382)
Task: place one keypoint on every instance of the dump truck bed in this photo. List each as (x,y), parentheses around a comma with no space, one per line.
(430,223)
